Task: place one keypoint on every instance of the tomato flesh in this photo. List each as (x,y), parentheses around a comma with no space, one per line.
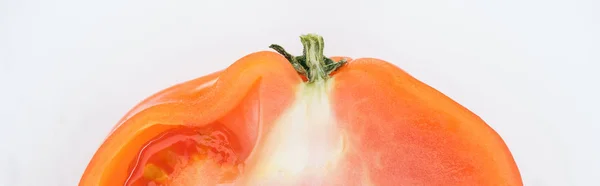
(164,159)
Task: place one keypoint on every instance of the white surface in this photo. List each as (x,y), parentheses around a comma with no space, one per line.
(70,69)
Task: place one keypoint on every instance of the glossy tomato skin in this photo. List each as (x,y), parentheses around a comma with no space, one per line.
(394,129)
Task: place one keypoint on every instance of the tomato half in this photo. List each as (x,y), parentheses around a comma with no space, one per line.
(276,119)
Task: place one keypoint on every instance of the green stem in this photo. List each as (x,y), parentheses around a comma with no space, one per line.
(313,64)
(313,53)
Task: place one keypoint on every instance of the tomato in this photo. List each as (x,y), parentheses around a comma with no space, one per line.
(276,119)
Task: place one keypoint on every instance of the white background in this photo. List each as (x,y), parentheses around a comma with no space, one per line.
(69,69)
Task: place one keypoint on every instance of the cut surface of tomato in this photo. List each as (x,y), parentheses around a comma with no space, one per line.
(272,118)
(163,159)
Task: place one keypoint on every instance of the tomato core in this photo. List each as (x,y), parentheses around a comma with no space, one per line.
(166,158)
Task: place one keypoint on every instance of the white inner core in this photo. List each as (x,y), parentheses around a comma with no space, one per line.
(303,144)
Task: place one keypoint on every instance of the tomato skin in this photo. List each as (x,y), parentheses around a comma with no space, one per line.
(186,91)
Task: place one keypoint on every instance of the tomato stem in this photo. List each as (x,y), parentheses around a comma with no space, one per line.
(312,64)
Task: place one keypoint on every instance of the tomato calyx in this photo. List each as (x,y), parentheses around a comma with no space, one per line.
(312,64)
